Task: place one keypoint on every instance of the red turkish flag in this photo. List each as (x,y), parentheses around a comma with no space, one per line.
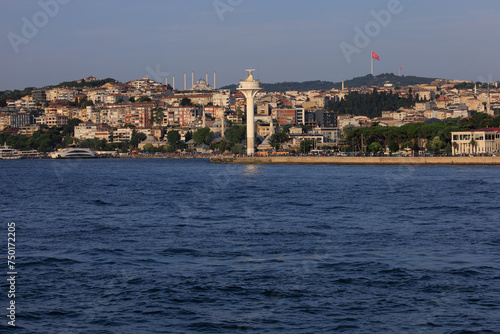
(400,68)
(375,56)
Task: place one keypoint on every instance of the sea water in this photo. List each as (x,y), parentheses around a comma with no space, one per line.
(186,246)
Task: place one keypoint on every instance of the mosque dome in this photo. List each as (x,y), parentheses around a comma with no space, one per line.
(201,84)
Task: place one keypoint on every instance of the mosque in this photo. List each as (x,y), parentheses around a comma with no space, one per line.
(201,84)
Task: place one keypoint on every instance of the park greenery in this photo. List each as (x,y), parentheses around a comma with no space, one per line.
(370,105)
(203,136)
(14,95)
(82,83)
(437,135)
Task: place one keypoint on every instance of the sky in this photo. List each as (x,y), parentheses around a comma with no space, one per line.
(46,42)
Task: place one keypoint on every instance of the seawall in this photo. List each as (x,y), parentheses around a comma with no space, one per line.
(493,161)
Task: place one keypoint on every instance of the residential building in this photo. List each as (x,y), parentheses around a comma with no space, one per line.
(56,120)
(21,119)
(39,95)
(286,116)
(122,135)
(4,121)
(90,131)
(63,94)
(29,130)
(325,118)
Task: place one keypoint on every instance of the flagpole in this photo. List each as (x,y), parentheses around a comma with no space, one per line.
(371,56)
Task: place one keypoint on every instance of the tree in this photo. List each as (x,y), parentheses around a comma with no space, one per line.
(203,135)
(70,140)
(238,149)
(173,137)
(278,139)
(415,147)
(473,143)
(436,144)
(236,133)
(137,137)
(393,146)
(45,145)
(69,129)
(306,145)
(144,99)
(222,146)
(375,147)
(149,148)
(186,102)
(158,115)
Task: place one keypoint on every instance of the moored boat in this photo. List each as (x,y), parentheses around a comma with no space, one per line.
(73,153)
(7,152)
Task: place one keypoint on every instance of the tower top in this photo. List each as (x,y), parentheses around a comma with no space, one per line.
(250,76)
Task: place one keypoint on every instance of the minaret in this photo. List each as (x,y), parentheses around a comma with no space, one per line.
(173,82)
(166,80)
(250,88)
(206,78)
(488,106)
(203,116)
(222,123)
(343,85)
(215,86)
(185,81)
(192,79)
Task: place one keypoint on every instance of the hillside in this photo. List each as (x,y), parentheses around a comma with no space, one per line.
(367,80)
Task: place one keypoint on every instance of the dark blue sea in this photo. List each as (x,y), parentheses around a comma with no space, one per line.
(186,246)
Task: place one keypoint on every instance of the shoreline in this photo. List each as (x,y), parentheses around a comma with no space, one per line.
(412,161)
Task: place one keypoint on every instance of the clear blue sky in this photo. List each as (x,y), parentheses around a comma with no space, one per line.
(286,40)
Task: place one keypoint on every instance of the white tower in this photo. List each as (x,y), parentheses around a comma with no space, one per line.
(215,86)
(173,82)
(250,88)
(185,81)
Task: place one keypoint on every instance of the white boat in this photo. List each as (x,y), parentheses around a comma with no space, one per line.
(7,152)
(73,153)
(33,154)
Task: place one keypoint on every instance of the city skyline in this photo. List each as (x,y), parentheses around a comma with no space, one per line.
(51,41)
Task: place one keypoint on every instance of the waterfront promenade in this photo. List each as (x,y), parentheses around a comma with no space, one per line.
(359,160)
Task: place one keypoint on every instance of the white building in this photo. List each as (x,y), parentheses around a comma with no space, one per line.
(223,98)
(90,131)
(481,141)
(65,94)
